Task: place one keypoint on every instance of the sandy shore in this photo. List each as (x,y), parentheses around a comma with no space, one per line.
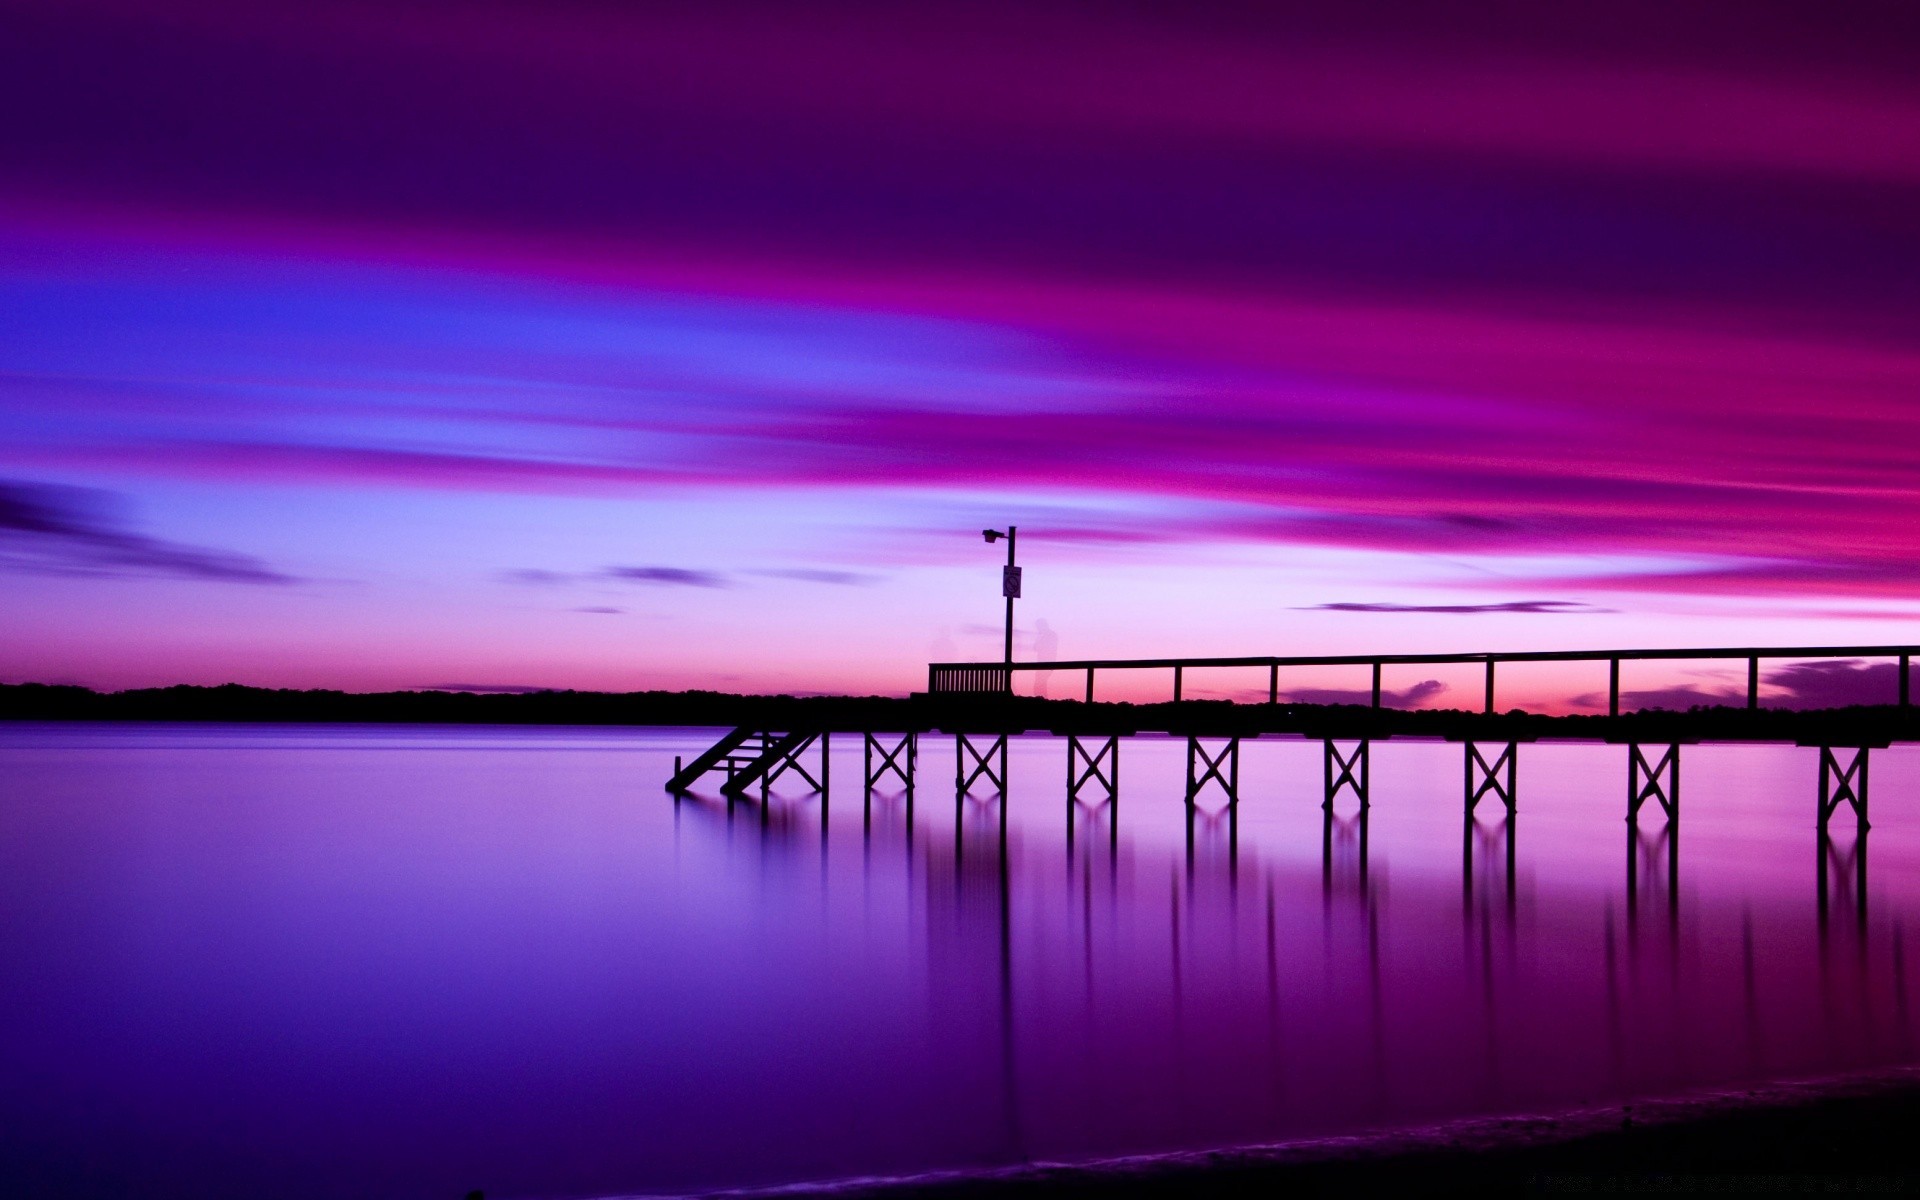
(1853,1134)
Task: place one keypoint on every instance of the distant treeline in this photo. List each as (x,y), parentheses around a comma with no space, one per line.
(232,702)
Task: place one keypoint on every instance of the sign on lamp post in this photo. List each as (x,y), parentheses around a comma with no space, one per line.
(1009,585)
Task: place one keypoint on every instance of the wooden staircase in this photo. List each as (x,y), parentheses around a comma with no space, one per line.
(750,756)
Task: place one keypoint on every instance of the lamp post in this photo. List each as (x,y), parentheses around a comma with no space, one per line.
(1009,579)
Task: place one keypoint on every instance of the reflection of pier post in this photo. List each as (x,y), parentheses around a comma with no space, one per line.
(970,960)
(1842,875)
(1009,1082)
(1353,832)
(1196,818)
(1658,780)
(1843,780)
(1643,848)
(1473,832)
(1100,768)
(901,761)
(1478,926)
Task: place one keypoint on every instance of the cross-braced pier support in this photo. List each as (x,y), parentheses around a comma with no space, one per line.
(970,763)
(1656,779)
(1099,766)
(1843,779)
(899,760)
(1206,766)
(748,756)
(781,754)
(1495,777)
(1347,770)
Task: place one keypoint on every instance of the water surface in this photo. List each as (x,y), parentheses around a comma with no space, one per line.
(410,961)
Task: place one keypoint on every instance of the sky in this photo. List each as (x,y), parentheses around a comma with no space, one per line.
(510,345)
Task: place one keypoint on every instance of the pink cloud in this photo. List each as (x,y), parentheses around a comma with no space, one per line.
(1542,294)
(1364,427)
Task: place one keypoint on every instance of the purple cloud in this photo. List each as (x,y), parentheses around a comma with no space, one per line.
(667,576)
(74,531)
(1510,606)
(1426,689)
(814,575)
(1837,683)
(683,577)
(1679,698)
(663,576)
(1833,684)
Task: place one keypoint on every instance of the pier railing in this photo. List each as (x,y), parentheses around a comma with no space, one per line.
(986,679)
(970,679)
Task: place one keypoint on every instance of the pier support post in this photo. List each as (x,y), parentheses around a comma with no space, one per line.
(1653,779)
(899,761)
(1495,777)
(1348,771)
(789,760)
(1205,766)
(1101,766)
(1843,779)
(990,762)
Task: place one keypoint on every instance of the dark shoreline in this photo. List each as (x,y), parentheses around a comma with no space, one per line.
(1861,725)
(1856,1133)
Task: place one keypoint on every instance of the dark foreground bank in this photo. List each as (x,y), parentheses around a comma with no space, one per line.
(1854,1135)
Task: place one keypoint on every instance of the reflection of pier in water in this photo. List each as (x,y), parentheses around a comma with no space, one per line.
(1212,801)
(1220,954)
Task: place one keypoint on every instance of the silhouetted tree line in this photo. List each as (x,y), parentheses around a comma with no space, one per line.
(233,702)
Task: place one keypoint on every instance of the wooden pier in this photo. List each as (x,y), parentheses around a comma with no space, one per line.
(975,704)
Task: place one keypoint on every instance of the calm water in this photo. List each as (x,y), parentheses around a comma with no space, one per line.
(411,962)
